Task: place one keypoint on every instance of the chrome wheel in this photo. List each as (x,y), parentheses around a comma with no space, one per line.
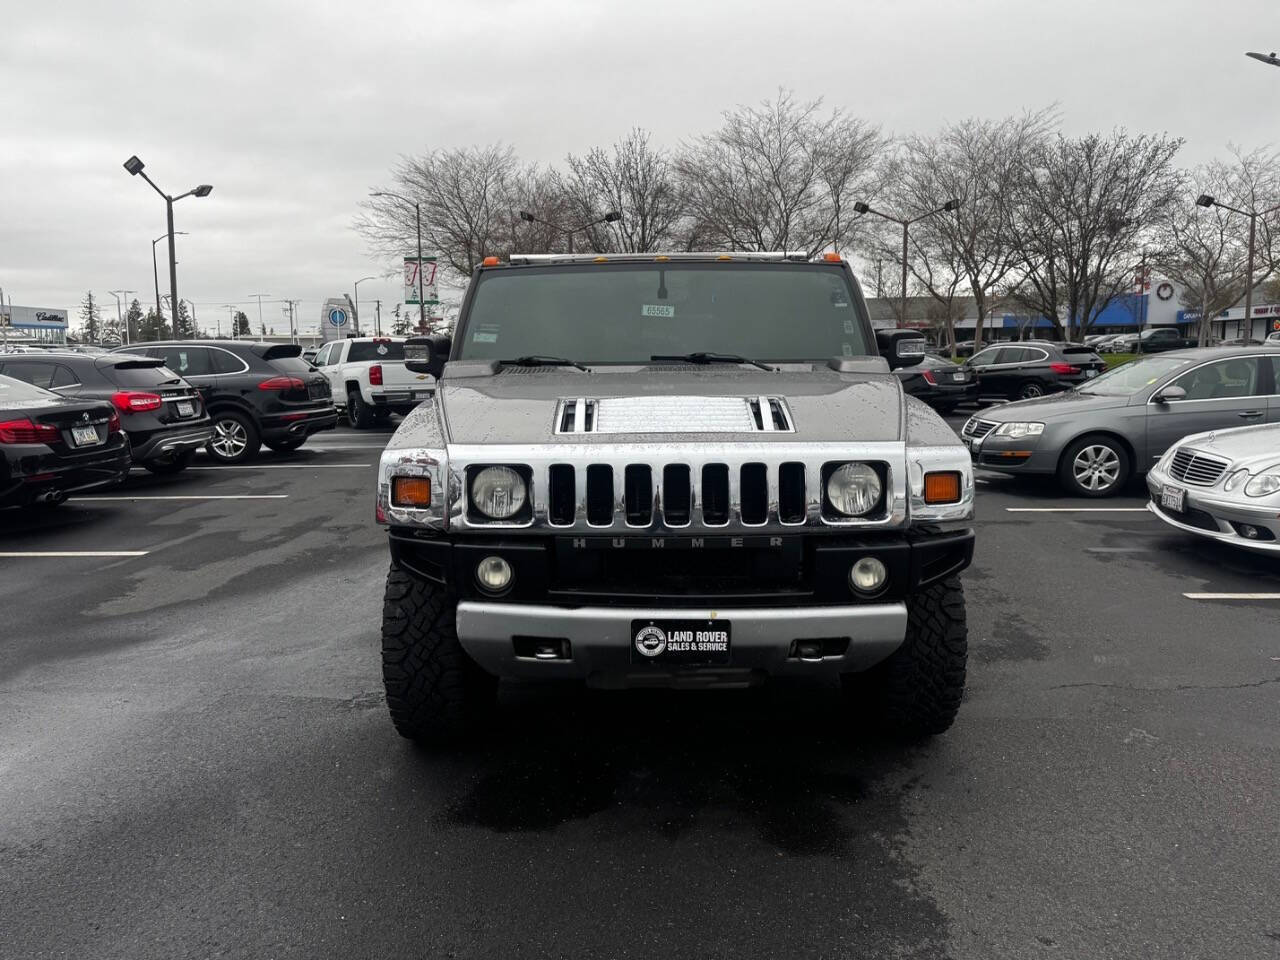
(229,439)
(1096,467)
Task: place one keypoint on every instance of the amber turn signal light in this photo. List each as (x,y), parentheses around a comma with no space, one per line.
(942,487)
(411,491)
(489,262)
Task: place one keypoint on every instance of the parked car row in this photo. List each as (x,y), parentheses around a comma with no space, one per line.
(1030,368)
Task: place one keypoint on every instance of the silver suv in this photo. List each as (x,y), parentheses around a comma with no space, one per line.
(666,470)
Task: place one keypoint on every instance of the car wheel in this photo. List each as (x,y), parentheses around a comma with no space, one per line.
(1030,390)
(1095,467)
(284,446)
(435,692)
(235,438)
(173,463)
(359,413)
(916,691)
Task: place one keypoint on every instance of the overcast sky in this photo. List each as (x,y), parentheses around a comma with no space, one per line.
(294,110)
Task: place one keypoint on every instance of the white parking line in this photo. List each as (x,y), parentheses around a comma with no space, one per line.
(238,496)
(14,554)
(1075,509)
(282,466)
(1232,596)
(1117,549)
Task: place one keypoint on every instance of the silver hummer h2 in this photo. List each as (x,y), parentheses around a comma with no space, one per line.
(672,470)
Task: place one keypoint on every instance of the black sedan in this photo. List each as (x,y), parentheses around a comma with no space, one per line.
(939,383)
(256,393)
(51,447)
(161,413)
(1033,368)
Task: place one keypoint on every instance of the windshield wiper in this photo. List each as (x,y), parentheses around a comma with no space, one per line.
(708,358)
(540,361)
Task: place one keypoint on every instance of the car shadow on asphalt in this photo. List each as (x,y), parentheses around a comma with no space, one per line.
(786,761)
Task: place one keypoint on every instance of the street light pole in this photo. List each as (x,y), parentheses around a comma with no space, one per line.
(355,306)
(155,272)
(417,218)
(613,216)
(1205,200)
(135,168)
(261,325)
(862,209)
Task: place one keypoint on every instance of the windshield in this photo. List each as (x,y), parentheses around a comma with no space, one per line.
(627,313)
(1128,379)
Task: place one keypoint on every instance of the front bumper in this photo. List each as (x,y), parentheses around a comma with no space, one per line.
(595,643)
(1009,455)
(1215,515)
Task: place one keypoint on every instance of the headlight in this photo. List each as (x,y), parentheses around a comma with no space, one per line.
(1017,430)
(1235,480)
(498,492)
(853,489)
(1263,485)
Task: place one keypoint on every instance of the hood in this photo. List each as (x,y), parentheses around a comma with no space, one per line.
(1056,405)
(650,405)
(1257,446)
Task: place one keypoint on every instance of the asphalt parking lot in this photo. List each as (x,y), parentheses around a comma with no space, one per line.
(195,758)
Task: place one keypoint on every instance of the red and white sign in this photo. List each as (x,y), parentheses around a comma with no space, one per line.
(429,292)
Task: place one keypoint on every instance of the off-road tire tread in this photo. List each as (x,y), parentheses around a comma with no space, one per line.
(916,691)
(435,692)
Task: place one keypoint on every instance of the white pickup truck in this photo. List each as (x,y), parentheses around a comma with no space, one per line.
(368,378)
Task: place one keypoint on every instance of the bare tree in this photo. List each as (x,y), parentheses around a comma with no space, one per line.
(1081,208)
(976,162)
(1205,251)
(634,179)
(466,201)
(780,176)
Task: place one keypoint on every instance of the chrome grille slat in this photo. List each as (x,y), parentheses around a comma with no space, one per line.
(1197,469)
(977,429)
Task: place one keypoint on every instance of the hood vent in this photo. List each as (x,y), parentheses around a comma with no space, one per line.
(668,415)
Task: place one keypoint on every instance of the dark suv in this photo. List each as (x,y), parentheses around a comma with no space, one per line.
(1033,368)
(160,412)
(256,393)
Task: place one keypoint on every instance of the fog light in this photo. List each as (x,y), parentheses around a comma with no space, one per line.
(1249,531)
(868,575)
(493,574)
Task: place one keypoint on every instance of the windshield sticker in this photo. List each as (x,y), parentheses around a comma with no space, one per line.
(382,349)
(481,337)
(848,349)
(849,327)
(657,310)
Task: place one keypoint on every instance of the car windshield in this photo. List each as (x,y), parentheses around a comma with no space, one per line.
(16,391)
(628,313)
(1129,378)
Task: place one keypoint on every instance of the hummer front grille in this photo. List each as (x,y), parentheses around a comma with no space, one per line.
(673,415)
(635,492)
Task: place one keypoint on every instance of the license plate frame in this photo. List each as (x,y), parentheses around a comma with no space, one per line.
(185,408)
(84,435)
(683,642)
(1173,498)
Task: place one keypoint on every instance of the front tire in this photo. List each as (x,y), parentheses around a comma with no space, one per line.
(235,438)
(435,692)
(359,413)
(174,463)
(1095,466)
(916,691)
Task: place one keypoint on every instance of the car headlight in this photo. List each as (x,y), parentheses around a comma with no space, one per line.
(1264,484)
(1016,430)
(853,489)
(498,492)
(1235,480)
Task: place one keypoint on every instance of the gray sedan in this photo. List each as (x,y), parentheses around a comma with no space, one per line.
(1224,485)
(1094,438)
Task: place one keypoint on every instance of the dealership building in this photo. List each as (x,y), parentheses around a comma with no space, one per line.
(43,324)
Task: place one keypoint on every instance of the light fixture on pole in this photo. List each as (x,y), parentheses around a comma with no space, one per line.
(1270,58)
(135,168)
(1206,201)
(862,209)
(613,216)
(417,216)
(355,305)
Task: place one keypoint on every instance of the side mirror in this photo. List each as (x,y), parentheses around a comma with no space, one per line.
(1170,393)
(427,354)
(902,348)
